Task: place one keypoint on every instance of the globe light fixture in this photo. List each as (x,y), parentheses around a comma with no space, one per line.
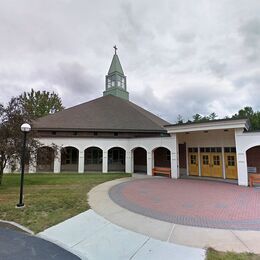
(25,128)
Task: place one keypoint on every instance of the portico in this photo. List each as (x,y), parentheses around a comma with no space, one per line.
(154,148)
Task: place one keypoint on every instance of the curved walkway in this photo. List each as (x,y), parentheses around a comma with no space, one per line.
(191,202)
(220,239)
(20,245)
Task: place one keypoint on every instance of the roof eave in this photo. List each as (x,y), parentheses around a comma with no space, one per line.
(99,130)
(206,126)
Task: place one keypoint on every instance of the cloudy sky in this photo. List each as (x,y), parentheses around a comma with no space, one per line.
(180,56)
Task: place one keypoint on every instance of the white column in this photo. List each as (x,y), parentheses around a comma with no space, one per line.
(149,163)
(105,162)
(128,162)
(7,168)
(241,160)
(187,160)
(57,161)
(33,162)
(223,162)
(199,161)
(81,161)
(242,169)
(174,158)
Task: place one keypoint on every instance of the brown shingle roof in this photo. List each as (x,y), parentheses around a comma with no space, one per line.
(108,113)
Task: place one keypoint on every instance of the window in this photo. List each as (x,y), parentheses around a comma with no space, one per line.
(193,159)
(115,134)
(216,160)
(109,83)
(205,159)
(230,149)
(231,160)
(193,150)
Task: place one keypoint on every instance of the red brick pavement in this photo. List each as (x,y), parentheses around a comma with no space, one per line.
(192,202)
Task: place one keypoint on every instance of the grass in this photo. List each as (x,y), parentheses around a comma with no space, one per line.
(49,198)
(217,255)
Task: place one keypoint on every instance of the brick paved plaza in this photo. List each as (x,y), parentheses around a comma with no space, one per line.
(191,202)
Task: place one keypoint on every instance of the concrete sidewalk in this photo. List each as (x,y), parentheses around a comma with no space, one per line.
(220,239)
(90,236)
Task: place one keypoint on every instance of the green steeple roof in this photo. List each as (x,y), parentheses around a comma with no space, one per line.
(115,65)
(116,79)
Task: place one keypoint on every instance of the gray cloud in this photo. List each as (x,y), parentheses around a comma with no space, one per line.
(180,57)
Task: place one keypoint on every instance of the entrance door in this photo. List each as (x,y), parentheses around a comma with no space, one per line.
(205,164)
(193,164)
(216,165)
(231,165)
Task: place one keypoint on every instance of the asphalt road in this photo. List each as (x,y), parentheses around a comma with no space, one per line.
(20,245)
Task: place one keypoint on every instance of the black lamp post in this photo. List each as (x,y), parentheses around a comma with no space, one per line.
(25,128)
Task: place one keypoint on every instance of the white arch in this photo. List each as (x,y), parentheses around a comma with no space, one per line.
(117,146)
(140,146)
(70,146)
(161,146)
(94,146)
(249,146)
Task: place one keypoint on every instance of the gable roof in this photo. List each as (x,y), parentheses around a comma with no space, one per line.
(108,113)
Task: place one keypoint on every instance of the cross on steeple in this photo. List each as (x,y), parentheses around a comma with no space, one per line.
(115,48)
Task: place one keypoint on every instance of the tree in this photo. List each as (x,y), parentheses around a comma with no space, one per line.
(19,110)
(253,116)
(40,103)
(196,118)
(179,120)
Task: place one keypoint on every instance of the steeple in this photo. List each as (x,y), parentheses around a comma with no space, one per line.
(116,79)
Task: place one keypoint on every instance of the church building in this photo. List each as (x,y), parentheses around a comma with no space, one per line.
(111,133)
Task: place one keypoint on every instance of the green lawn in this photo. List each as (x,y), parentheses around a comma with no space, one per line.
(216,255)
(49,198)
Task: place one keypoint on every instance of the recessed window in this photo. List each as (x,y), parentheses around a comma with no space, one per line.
(75,133)
(95,133)
(53,133)
(115,134)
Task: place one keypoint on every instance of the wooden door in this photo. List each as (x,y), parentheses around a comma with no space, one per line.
(193,164)
(216,165)
(231,165)
(205,164)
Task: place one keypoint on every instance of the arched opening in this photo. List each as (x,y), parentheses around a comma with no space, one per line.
(116,159)
(93,159)
(253,159)
(45,159)
(69,159)
(162,157)
(140,160)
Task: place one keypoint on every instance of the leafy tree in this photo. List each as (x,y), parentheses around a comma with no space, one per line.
(179,120)
(40,103)
(197,118)
(19,110)
(212,116)
(253,116)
